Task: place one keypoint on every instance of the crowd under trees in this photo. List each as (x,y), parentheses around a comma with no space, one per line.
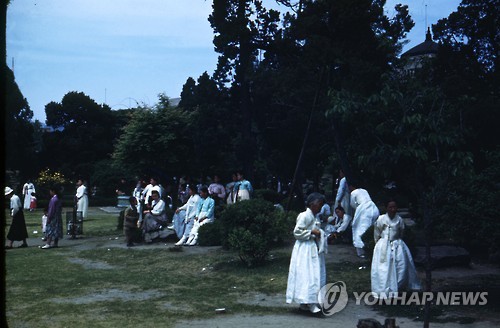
(333,63)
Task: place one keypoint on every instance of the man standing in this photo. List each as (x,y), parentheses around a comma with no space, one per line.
(343,198)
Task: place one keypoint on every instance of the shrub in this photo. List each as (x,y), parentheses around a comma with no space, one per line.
(210,234)
(253,227)
(269,195)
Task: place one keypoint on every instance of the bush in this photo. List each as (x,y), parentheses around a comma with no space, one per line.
(210,234)
(253,227)
(268,195)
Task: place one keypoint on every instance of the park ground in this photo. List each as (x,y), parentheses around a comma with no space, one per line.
(476,276)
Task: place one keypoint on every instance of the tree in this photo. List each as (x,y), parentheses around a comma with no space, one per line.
(156,140)
(19,143)
(83,133)
(467,69)
(474,30)
(240,27)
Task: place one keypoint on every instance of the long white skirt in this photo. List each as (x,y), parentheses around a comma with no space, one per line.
(364,217)
(83,205)
(307,273)
(393,271)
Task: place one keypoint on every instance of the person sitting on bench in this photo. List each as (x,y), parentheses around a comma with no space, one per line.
(155,217)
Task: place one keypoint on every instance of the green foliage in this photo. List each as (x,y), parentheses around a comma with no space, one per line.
(47,179)
(84,133)
(156,138)
(210,234)
(253,227)
(468,211)
(18,129)
(268,195)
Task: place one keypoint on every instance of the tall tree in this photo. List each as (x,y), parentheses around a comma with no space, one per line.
(240,26)
(467,69)
(156,140)
(19,143)
(83,132)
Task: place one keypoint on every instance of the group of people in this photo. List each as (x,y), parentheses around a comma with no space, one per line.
(392,268)
(147,209)
(52,223)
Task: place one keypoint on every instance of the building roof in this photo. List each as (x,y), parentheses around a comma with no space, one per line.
(425,48)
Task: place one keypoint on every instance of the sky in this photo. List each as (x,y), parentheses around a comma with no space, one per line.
(125,52)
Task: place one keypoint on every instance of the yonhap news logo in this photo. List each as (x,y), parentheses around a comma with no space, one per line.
(333,297)
(420,298)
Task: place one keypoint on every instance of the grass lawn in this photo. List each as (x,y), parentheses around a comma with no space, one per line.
(147,287)
(87,283)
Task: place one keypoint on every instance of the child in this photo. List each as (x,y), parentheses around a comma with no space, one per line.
(44,223)
(33,202)
(393,269)
(130,218)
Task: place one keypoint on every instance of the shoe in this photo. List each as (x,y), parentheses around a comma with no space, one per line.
(23,246)
(181,241)
(170,227)
(314,308)
(46,246)
(193,242)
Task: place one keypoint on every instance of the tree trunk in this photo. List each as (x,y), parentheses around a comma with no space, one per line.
(428,264)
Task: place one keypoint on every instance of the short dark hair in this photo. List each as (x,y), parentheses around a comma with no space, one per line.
(340,208)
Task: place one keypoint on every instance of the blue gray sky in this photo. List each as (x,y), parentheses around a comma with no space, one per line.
(126,52)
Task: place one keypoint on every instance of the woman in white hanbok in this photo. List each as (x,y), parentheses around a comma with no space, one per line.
(82,198)
(28,189)
(307,273)
(366,212)
(392,264)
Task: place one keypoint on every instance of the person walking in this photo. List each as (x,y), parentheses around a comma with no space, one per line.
(54,227)
(17,230)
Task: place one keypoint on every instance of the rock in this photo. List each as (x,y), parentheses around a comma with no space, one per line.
(372,323)
(369,323)
(443,256)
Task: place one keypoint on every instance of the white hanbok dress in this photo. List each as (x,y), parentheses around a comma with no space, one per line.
(392,264)
(366,212)
(343,197)
(28,189)
(82,200)
(307,272)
